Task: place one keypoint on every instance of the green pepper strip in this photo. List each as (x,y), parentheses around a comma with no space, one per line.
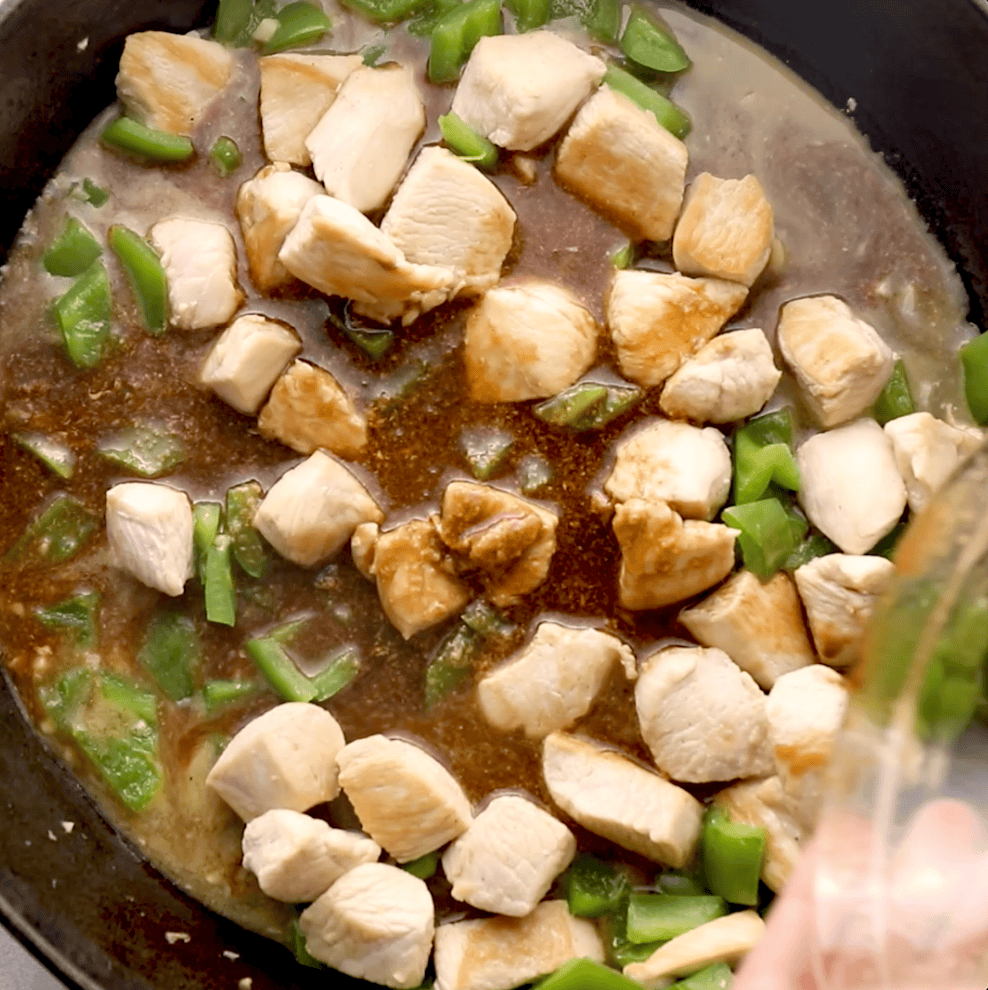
(232,18)
(144,450)
(451,664)
(280,670)
(529,14)
(621,949)
(715,977)
(602,20)
(769,534)
(485,450)
(205,526)
(376,343)
(219,694)
(456,33)
(674,119)
(56,535)
(623,257)
(57,457)
(570,405)
(484,619)
(619,400)
(248,548)
(299,24)
(386,11)
(76,615)
(649,43)
(302,954)
(171,653)
(974,359)
(221,599)
(146,275)
(732,856)
(133,138)
(815,545)
(424,867)
(678,884)
(336,675)
(466,143)
(660,917)
(429,16)
(581,974)
(73,251)
(83,316)
(896,398)
(593,887)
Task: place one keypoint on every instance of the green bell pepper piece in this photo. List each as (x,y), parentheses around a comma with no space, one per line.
(896,398)
(732,855)
(674,119)
(138,141)
(73,251)
(146,276)
(171,654)
(299,24)
(56,535)
(455,34)
(83,316)
(649,43)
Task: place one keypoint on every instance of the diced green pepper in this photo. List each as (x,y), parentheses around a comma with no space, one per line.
(62,699)
(232,19)
(732,854)
(571,405)
(60,532)
(339,671)
(672,118)
(649,43)
(451,664)
(88,192)
(620,948)
(424,867)
(529,14)
(815,545)
(248,548)
(282,674)
(678,884)
(624,257)
(225,155)
(429,16)
(466,143)
(896,399)
(774,427)
(302,954)
(456,33)
(220,694)
(146,276)
(129,764)
(205,526)
(585,974)
(602,20)
(372,54)
(386,11)
(486,450)
(660,917)
(144,450)
(484,619)
(221,599)
(619,400)
(375,342)
(715,977)
(76,615)
(286,633)
(763,456)
(58,457)
(534,473)
(593,887)
(974,359)
(73,251)
(171,653)
(126,695)
(769,534)
(133,138)
(83,316)
(299,24)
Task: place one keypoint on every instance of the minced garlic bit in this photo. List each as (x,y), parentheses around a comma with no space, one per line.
(172,937)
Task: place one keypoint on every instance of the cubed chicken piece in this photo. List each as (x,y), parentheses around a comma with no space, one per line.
(657,321)
(297,858)
(375,923)
(758,625)
(338,251)
(666,560)
(730,378)
(286,758)
(361,144)
(268,207)
(527,341)
(727,940)
(764,804)
(852,490)
(246,360)
(308,409)
(149,529)
(519,89)
(839,592)
(805,711)
(313,509)
(553,681)
(726,229)
(406,800)
(167,81)
(447,213)
(200,262)
(362,547)
(501,953)
(625,164)
(509,539)
(506,860)
(684,466)
(614,797)
(927,451)
(840,362)
(296,90)
(702,716)
(415,576)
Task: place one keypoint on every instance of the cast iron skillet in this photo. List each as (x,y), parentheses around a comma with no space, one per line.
(86,904)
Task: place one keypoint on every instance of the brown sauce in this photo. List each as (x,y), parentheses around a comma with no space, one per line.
(848,230)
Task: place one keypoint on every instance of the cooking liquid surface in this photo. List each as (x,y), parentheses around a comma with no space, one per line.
(847,228)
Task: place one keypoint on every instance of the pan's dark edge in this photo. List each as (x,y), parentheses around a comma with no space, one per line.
(84,902)
(918,76)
